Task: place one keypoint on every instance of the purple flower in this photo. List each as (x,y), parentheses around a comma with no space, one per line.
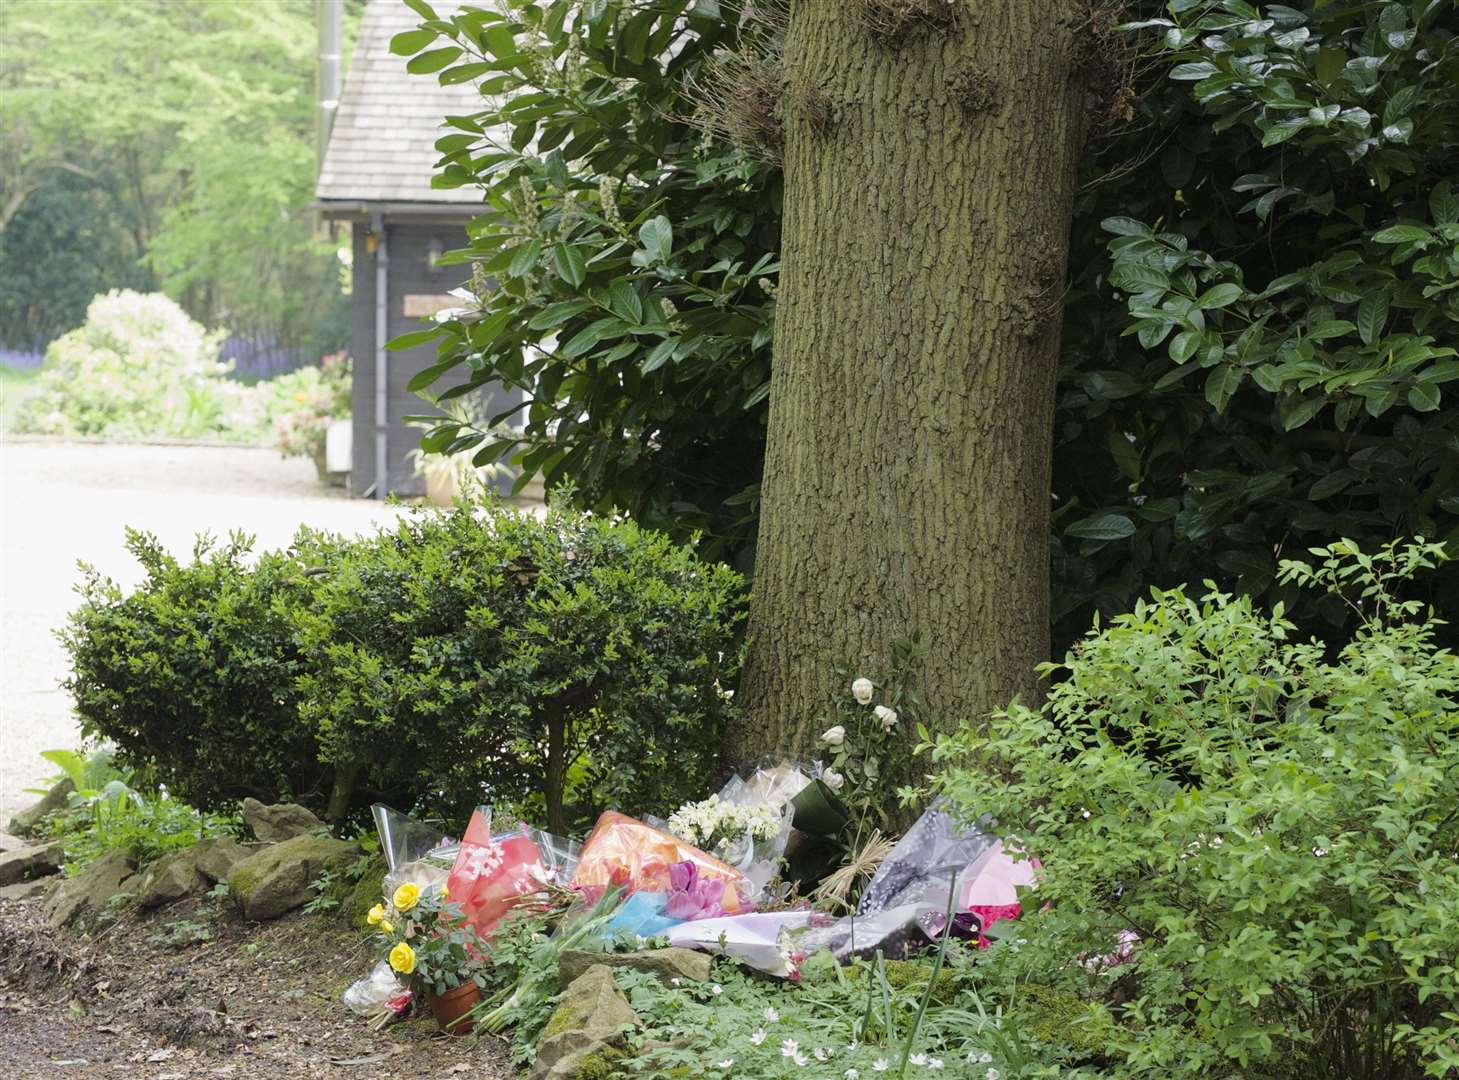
(692,897)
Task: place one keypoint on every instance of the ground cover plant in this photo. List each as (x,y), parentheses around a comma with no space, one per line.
(1250,841)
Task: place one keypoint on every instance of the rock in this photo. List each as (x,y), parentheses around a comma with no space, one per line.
(83,897)
(169,878)
(28,890)
(586,1030)
(30,862)
(277,878)
(25,822)
(281,821)
(667,964)
(216,858)
(366,893)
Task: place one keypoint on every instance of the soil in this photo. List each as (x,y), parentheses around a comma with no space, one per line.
(191,990)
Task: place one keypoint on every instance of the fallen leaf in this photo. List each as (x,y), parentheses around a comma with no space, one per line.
(161,1055)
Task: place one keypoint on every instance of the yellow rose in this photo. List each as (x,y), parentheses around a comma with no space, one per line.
(377,913)
(386,927)
(406,896)
(402,958)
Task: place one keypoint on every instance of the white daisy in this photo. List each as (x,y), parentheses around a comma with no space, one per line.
(880,1065)
(918,1059)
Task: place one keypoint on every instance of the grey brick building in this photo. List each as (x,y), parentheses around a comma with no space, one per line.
(376,179)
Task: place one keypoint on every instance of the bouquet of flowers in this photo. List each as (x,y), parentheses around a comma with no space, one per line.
(725,829)
(427,940)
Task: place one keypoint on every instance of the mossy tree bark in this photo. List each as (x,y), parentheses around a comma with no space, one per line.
(929,176)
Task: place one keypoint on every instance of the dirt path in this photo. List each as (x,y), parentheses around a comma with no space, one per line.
(192,992)
(63,502)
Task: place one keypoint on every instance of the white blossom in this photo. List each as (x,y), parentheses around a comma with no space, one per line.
(771,1015)
(888,717)
(880,1065)
(834,736)
(822,1053)
(991,1074)
(852,1074)
(934,1063)
(918,1059)
(725,1064)
(789,1048)
(832,779)
(716,989)
(759,1036)
(862,690)
(800,1059)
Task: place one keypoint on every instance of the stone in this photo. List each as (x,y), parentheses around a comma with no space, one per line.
(80,898)
(668,964)
(28,890)
(215,858)
(169,878)
(30,862)
(280,821)
(58,798)
(278,878)
(586,1028)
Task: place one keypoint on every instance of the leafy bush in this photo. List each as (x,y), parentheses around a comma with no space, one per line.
(192,674)
(1278,822)
(137,366)
(563,663)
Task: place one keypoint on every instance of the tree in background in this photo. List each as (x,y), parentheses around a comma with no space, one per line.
(191,150)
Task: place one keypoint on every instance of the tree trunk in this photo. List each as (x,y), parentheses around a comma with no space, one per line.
(929,176)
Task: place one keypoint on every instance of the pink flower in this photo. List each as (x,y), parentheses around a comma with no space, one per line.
(692,897)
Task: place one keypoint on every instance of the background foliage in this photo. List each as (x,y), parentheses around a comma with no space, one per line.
(182,160)
(1257,359)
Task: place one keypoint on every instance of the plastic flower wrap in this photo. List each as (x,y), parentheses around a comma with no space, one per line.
(415,853)
(905,904)
(748,823)
(625,852)
(492,873)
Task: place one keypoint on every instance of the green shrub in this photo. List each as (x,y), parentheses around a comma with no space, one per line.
(192,674)
(560,664)
(1277,820)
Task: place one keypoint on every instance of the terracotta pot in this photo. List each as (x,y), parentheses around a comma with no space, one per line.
(451,1006)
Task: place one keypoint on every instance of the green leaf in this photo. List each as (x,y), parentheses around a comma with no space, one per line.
(421,8)
(659,355)
(1194,71)
(557,314)
(414,338)
(657,237)
(1221,383)
(1402,234)
(1123,226)
(1372,315)
(1102,527)
(1423,397)
(1183,346)
(524,259)
(435,60)
(411,42)
(569,264)
(463,73)
(1219,296)
(1296,411)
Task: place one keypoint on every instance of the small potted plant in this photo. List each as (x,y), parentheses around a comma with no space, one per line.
(428,942)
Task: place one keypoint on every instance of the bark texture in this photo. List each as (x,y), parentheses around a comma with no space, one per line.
(929,176)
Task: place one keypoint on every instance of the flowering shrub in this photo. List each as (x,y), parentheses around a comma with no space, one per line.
(1250,843)
(303,402)
(137,366)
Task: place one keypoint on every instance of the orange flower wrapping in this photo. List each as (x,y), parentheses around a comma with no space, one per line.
(622,847)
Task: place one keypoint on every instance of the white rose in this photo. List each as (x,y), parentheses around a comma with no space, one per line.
(862,690)
(888,717)
(832,779)
(834,736)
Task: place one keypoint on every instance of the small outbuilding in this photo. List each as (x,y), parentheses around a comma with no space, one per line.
(376,179)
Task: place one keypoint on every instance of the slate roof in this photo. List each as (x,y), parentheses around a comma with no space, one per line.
(382,145)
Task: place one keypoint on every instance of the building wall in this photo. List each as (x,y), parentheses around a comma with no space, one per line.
(410,275)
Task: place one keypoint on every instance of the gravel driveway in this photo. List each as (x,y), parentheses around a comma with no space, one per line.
(64,502)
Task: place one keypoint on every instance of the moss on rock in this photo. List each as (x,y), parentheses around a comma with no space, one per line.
(601,1064)
(1061,1018)
(365,893)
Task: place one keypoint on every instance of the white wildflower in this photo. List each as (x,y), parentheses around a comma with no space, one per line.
(888,717)
(852,1074)
(789,1048)
(759,1036)
(934,1063)
(822,1053)
(880,1065)
(771,1015)
(716,989)
(800,1059)
(991,1074)
(862,690)
(832,779)
(834,736)
(918,1059)
(725,1064)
